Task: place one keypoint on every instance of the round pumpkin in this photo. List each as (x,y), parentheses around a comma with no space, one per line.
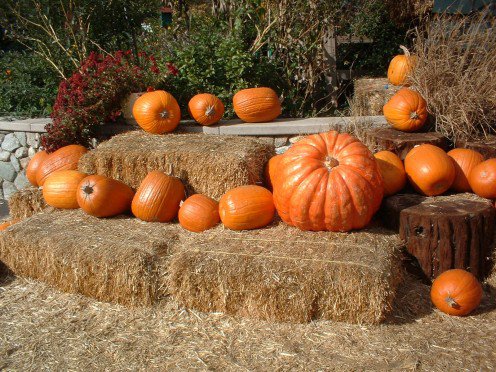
(392,172)
(5,224)
(429,169)
(206,109)
(33,166)
(456,292)
(246,208)
(157,112)
(465,161)
(270,171)
(482,179)
(158,197)
(102,196)
(406,110)
(400,66)
(60,189)
(199,213)
(328,181)
(65,158)
(257,105)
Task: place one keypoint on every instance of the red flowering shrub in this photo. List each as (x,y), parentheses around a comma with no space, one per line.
(93,95)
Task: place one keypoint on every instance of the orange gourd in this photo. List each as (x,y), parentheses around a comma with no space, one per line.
(328,181)
(65,158)
(60,189)
(246,208)
(482,179)
(5,224)
(465,161)
(102,196)
(456,292)
(158,197)
(206,108)
(400,66)
(33,166)
(271,171)
(406,110)
(392,172)
(157,112)
(257,105)
(199,213)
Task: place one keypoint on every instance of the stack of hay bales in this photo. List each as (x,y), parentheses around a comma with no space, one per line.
(370,95)
(26,202)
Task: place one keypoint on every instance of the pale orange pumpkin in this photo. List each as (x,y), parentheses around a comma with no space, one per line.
(406,110)
(400,67)
(157,112)
(198,213)
(65,158)
(392,171)
(270,171)
(33,166)
(482,179)
(257,105)
(206,108)
(60,188)
(465,161)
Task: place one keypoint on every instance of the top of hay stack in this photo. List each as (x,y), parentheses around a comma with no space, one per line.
(26,202)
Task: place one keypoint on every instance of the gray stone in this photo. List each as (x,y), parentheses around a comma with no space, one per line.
(7,171)
(15,163)
(2,136)
(33,140)
(21,152)
(281,150)
(8,188)
(10,142)
(31,152)
(24,162)
(280,141)
(21,181)
(1,193)
(4,155)
(21,136)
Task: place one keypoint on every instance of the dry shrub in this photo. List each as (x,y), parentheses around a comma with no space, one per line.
(456,74)
(404,11)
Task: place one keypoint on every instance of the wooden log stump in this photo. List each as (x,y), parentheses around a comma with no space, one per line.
(445,232)
(401,142)
(487,147)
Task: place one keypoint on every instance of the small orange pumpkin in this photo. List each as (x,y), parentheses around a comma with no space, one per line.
(158,197)
(257,105)
(392,172)
(5,224)
(199,213)
(271,171)
(456,292)
(157,112)
(482,179)
(65,158)
(465,161)
(33,166)
(246,208)
(60,189)
(206,108)
(406,110)
(400,66)
(430,170)
(102,196)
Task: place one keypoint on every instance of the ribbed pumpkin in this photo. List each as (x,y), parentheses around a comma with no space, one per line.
(400,66)
(465,161)
(102,196)
(429,169)
(199,213)
(5,224)
(271,171)
(65,158)
(456,292)
(257,105)
(246,208)
(206,108)
(157,112)
(406,110)
(328,181)
(158,197)
(33,166)
(392,171)
(482,179)
(60,189)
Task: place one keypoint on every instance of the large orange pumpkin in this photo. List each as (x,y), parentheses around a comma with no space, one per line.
(465,161)
(199,213)
(392,171)
(60,189)
(33,166)
(271,171)
(158,197)
(328,181)
(206,108)
(246,208)
(406,110)
(482,179)
(102,196)
(65,158)
(257,105)
(157,112)
(400,66)
(456,292)
(429,169)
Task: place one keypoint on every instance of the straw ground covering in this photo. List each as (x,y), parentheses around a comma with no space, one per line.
(26,202)
(206,164)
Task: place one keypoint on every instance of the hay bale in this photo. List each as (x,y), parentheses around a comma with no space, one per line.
(116,260)
(284,274)
(26,202)
(370,95)
(210,165)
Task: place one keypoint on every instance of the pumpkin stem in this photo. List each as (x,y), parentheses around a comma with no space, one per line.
(210,111)
(164,114)
(88,190)
(451,302)
(405,50)
(414,115)
(330,162)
